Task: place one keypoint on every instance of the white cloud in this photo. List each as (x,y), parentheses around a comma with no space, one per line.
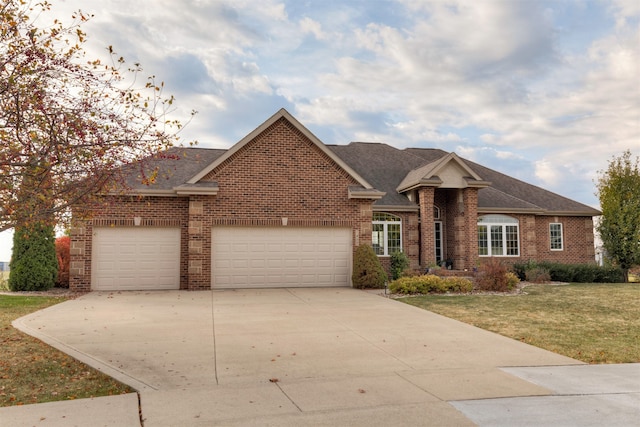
(309,26)
(547,172)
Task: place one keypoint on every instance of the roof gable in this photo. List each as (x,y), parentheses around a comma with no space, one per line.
(449,171)
(281,114)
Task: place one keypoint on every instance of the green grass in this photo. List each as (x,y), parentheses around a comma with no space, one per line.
(33,372)
(594,323)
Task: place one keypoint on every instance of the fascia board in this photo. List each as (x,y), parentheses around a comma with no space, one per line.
(395,208)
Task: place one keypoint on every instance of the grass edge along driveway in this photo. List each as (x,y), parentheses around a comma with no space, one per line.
(594,323)
(33,372)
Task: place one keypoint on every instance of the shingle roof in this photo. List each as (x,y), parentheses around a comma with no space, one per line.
(176,166)
(384,167)
(506,192)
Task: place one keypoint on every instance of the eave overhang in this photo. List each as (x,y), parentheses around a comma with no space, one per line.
(474,183)
(538,212)
(396,208)
(365,193)
(425,182)
(201,188)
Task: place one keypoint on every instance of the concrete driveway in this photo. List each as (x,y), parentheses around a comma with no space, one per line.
(291,357)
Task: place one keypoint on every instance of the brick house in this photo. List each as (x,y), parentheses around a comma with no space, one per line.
(280,208)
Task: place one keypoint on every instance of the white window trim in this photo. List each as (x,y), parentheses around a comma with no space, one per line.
(561,237)
(491,220)
(435,243)
(385,234)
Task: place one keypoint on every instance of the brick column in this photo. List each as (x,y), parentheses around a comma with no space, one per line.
(470,228)
(427,238)
(363,235)
(81,235)
(196,256)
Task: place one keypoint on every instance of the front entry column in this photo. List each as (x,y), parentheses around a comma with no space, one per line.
(470,200)
(427,237)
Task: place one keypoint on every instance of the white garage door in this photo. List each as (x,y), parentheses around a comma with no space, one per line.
(253,257)
(135,259)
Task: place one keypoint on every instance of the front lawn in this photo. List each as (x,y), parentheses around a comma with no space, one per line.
(595,323)
(33,372)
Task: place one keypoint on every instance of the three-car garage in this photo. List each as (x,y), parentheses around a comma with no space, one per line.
(148,258)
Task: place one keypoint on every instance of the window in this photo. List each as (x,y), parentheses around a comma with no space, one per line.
(555,235)
(436,212)
(437,235)
(498,235)
(387,233)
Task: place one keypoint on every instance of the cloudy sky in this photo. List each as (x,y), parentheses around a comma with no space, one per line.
(546,91)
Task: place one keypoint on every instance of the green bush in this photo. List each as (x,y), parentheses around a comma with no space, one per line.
(399,263)
(34,265)
(430,284)
(577,273)
(560,272)
(609,275)
(367,270)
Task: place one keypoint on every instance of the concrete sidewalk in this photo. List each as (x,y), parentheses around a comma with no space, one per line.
(311,357)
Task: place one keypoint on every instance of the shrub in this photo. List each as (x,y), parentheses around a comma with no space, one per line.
(492,276)
(520,268)
(512,280)
(399,263)
(609,275)
(34,266)
(538,275)
(63,249)
(458,285)
(560,272)
(367,270)
(430,284)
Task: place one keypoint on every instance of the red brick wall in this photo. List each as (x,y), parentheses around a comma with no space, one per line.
(578,240)
(535,243)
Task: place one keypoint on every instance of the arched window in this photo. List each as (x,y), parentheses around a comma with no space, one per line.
(387,233)
(436,212)
(498,235)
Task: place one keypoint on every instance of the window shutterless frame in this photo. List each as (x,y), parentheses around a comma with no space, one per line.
(498,235)
(556,240)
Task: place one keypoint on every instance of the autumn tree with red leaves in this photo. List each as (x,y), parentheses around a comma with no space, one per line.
(63,253)
(68,125)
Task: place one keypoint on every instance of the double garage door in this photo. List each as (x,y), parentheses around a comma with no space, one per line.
(242,257)
(254,257)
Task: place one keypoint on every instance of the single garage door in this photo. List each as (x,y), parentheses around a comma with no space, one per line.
(135,259)
(254,257)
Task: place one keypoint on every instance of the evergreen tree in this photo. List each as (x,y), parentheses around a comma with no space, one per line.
(367,270)
(34,265)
